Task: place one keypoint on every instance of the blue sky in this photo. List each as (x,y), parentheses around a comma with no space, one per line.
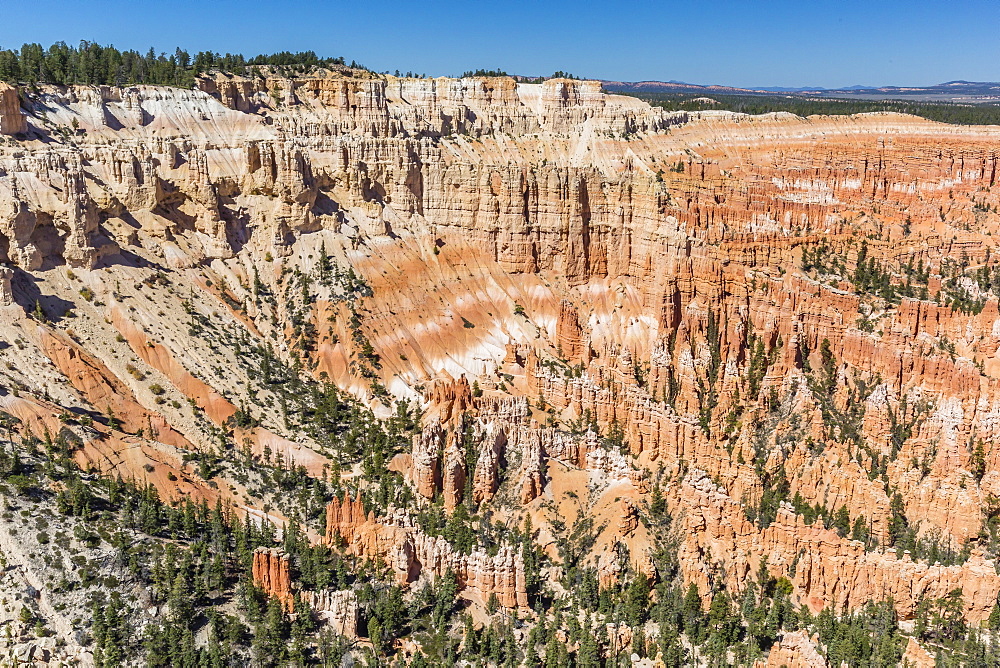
(763,43)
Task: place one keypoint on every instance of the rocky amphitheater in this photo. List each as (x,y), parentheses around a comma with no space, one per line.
(781,333)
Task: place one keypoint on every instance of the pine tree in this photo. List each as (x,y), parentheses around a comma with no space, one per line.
(898,524)
(994,620)
(692,612)
(860,531)
(977,463)
(842,521)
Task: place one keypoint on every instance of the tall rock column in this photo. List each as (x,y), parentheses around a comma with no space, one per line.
(272,573)
(6,293)
(343,518)
(12,121)
(486,479)
(569,334)
(427,450)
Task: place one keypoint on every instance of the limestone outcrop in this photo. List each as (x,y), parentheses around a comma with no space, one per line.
(6,292)
(426,460)
(486,479)
(343,519)
(829,570)
(454,473)
(271,572)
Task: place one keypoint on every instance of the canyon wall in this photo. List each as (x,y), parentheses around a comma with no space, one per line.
(590,299)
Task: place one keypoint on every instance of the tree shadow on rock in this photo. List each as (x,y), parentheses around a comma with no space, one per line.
(28,296)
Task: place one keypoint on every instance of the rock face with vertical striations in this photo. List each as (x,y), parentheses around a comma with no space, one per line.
(829,571)
(426,457)
(453,472)
(338,609)
(569,334)
(795,650)
(569,306)
(486,478)
(271,572)
(343,517)
(411,553)
(12,121)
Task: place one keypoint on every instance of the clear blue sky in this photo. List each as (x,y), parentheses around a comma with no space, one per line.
(763,43)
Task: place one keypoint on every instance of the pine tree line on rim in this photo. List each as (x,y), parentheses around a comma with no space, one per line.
(93,64)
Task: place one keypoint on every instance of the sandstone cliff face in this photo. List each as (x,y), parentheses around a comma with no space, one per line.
(626,287)
(392,106)
(411,553)
(825,569)
(338,609)
(12,121)
(796,650)
(271,572)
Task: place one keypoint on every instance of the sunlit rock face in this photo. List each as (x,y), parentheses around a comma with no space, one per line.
(589,298)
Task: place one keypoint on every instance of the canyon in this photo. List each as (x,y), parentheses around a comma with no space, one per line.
(727,333)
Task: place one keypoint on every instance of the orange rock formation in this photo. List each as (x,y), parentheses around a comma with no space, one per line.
(412,553)
(271,572)
(631,290)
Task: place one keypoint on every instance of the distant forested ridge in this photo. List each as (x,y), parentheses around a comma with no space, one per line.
(90,63)
(945,112)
